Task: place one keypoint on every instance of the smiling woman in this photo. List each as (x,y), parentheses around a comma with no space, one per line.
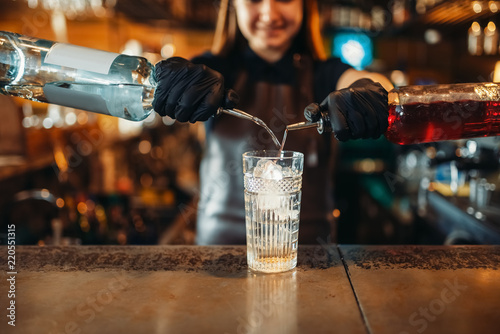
(300,18)
(269,26)
(271,53)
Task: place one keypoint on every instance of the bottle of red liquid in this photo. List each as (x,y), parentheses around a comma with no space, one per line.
(420,114)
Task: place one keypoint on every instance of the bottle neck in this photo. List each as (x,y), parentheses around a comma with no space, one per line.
(9,59)
(327,124)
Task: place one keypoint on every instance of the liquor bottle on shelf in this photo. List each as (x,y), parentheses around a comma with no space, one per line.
(422,114)
(74,76)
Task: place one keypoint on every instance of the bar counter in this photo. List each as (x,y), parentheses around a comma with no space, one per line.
(208,289)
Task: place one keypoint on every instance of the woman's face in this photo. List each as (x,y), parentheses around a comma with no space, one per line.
(269,25)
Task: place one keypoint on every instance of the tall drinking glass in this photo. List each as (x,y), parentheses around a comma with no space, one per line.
(273,183)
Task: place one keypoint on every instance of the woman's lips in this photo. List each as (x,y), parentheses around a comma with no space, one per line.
(271,31)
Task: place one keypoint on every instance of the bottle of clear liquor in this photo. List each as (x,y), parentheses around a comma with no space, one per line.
(74,76)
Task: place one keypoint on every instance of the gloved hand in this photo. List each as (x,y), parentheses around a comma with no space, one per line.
(189,92)
(359,111)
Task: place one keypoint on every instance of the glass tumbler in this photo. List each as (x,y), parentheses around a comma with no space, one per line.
(273,183)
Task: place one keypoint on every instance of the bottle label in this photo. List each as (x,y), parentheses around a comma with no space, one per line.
(80,58)
(67,97)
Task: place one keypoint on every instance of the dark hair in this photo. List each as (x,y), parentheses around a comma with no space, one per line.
(228,36)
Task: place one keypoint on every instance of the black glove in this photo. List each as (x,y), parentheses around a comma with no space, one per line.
(189,92)
(359,111)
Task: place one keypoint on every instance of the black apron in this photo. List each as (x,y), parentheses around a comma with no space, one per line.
(221,209)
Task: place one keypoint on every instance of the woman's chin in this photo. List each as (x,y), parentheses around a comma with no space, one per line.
(271,47)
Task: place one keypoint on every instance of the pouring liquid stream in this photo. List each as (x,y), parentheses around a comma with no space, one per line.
(296,126)
(241,114)
(285,134)
(260,122)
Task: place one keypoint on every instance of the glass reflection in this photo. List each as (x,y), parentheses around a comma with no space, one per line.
(271,303)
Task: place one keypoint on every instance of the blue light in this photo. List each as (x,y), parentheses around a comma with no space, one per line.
(355,49)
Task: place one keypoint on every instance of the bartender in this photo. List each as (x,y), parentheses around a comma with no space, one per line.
(270,52)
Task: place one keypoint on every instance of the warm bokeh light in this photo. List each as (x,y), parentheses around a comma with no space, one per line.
(82,208)
(493,6)
(122,238)
(70,118)
(491,26)
(60,202)
(168,50)
(145,146)
(84,224)
(432,36)
(82,118)
(45,193)
(60,159)
(496,72)
(477,7)
(48,123)
(476,27)
(399,78)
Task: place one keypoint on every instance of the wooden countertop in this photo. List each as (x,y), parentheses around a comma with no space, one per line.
(200,289)
(426,289)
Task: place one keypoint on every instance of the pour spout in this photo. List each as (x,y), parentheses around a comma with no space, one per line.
(306,125)
(236,112)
